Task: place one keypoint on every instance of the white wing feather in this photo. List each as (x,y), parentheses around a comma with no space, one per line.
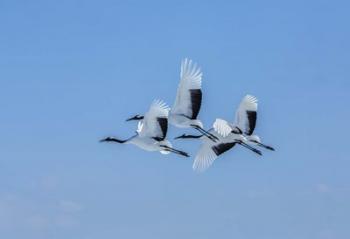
(139,127)
(248,103)
(204,158)
(222,127)
(149,126)
(190,78)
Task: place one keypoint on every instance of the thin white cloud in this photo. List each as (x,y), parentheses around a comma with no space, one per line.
(19,214)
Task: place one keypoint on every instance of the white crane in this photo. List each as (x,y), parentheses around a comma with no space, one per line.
(188,100)
(210,150)
(151,131)
(246,116)
(240,132)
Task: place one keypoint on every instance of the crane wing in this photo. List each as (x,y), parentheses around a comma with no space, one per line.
(246,114)
(155,121)
(208,153)
(204,158)
(222,127)
(189,94)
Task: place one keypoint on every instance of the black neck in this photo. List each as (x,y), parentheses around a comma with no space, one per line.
(136,117)
(112,139)
(185,136)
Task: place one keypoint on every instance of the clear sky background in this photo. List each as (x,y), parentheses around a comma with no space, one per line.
(72,71)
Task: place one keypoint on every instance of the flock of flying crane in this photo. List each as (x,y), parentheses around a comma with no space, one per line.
(153,125)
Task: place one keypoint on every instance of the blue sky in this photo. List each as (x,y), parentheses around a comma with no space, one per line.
(72,71)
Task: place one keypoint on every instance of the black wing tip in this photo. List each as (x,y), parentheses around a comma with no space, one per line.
(222,148)
(196,102)
(163,123)
(158,139)
(252,116)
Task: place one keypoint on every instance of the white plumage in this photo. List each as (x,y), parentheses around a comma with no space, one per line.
(153,125)
(149,126)
(246,114)
(190,80)
(151,131)
(188,100)
(205,157)
(210,151)
(222,127)
(245,122)
(229,135)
